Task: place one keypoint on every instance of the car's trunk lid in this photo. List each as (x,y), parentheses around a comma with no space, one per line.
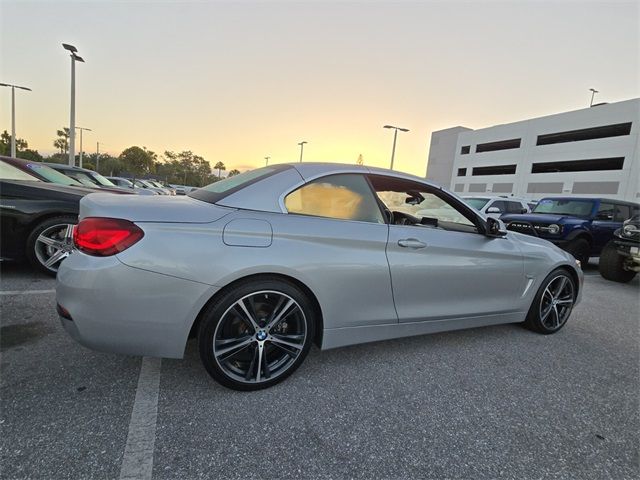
(156,208)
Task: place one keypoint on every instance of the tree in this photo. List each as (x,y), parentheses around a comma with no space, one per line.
(107,165)
(137,161)
(234,172)
(28,154)
(185,168)
(62,142)
(219,166)
(5,144)
(22,148)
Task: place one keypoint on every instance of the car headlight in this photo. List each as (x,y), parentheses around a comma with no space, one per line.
(579,263)
(630,230)
(553,229)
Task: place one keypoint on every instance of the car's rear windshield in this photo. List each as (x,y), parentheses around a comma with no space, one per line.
(558,206)
(52,175)
(476,203)
(9,172)
(220,189)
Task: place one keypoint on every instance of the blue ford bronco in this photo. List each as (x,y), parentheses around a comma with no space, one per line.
(581,226)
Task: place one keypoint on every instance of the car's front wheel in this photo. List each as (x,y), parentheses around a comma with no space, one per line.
(50,242)
(552,304)
(611,265)
(256,334)
(580,249)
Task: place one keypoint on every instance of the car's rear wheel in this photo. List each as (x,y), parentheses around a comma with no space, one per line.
(50,242)
(256,334)
(552,304)
(580,249)
(611,265)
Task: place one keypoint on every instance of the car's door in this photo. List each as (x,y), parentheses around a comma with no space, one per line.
(335,235)
(604,224)
(444,268)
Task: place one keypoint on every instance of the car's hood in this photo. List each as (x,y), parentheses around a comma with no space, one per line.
(156,208)
(42,188)
(534,217)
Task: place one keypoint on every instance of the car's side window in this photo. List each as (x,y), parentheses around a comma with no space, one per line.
(411,203)
(622,213)
(500,205)
(344,197)
(605,211)
(514,207)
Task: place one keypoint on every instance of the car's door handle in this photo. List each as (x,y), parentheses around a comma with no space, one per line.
(411,243)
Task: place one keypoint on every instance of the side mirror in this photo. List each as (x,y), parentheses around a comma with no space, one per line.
(493,210)
(523,210)
(495,228)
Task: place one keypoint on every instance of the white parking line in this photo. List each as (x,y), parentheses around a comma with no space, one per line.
(137,462)
(25,292)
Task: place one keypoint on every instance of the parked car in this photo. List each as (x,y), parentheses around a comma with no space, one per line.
(36,218)
(87,177)
(47,174)
(581,226)
(145,184)
(126,183)
(170,190)
(620,258)
(267,262)
(182,189)
(498,206)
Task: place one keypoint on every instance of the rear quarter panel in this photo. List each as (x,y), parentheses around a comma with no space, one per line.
(348,273)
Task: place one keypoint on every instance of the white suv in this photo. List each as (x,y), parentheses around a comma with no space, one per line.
(497,206)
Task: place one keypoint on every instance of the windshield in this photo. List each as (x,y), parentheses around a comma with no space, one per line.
(573,207)
(9,172)
(52,175)
(101,180)
(123,182)
(476,203)
(82,177)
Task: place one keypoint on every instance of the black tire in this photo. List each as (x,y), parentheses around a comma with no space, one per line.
(37,253)
(546,324)
(580,249)
(224,315)
(611,265)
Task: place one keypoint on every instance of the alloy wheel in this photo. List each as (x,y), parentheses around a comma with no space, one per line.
(260,336)
(53,245)
(556,302)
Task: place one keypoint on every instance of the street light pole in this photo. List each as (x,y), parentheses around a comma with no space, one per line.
(13,114)
(302,149)
(72,115)
(81,129)
(395,137)
(593,94)
(267,158)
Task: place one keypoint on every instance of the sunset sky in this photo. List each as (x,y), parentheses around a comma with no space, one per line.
(236,81)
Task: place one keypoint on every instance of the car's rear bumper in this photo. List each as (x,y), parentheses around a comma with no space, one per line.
(116,308)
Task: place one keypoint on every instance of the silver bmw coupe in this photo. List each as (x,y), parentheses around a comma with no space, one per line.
(261,265)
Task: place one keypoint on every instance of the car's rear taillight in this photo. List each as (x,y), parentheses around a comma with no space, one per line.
(103,237)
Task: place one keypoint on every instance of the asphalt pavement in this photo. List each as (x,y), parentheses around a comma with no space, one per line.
(494,402)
